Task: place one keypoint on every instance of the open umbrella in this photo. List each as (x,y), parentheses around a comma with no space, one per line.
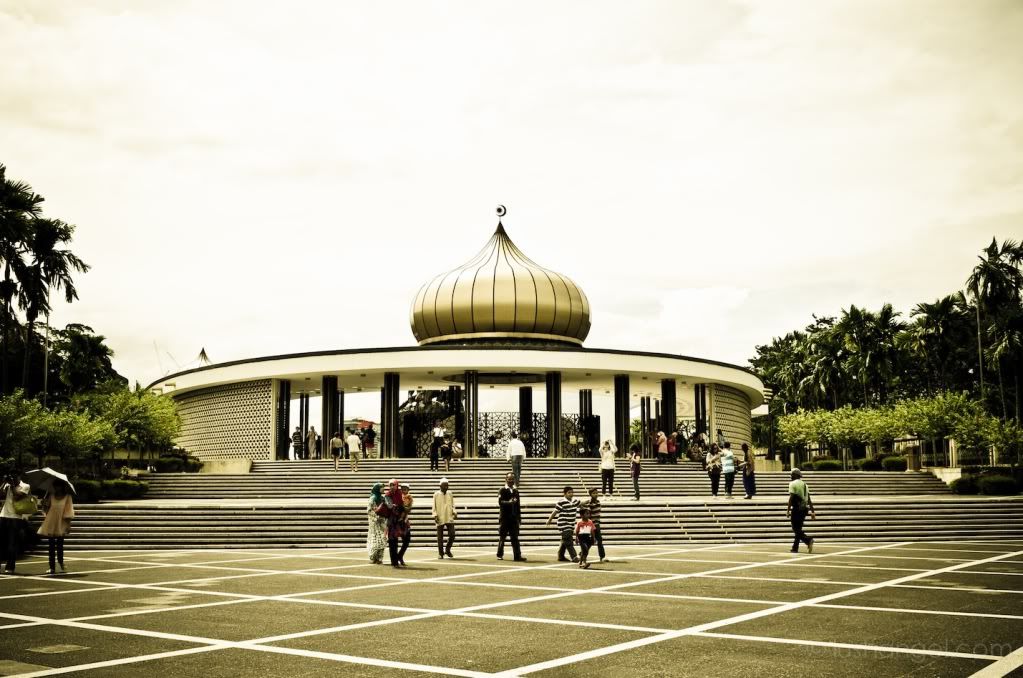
(42,479)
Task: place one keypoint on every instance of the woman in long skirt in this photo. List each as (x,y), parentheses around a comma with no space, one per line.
(59,510)
(376,536)
(749,476)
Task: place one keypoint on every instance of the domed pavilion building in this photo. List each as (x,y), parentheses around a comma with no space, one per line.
(498,321)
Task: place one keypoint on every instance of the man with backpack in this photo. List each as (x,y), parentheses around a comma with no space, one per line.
(799,506)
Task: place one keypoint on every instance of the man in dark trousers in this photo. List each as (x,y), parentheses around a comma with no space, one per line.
(800,504)
(297,442)
(511,517)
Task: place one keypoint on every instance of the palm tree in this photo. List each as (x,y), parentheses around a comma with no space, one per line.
(52,267)
(19,207)
(996,280)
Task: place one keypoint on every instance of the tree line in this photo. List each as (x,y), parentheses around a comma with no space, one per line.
(970,341)
(60,396)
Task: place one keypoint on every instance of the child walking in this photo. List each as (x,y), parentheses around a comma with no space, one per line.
(584,531)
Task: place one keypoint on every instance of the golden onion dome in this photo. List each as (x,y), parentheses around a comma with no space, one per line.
(500,295)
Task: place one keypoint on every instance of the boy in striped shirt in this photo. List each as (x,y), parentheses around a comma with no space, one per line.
(565,511)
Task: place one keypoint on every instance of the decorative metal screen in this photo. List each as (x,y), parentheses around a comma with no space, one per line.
(233,421)
(732,414)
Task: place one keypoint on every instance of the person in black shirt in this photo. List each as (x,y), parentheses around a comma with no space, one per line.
(297,442)
(511,518)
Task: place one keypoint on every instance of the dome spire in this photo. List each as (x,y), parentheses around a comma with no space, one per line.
(500,295)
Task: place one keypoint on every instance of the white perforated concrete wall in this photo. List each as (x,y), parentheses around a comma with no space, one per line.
(233,421)
(731,413)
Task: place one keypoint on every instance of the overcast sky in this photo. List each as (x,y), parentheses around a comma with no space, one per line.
(259,179)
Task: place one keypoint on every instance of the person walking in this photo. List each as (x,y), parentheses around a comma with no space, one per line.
(607,467)
(369,440)
(661,446)
(439,434)
(445,453)
(59,510)
(565,511)
(799,506)
(310,443)
(673,448)
(749,478)
(728,469)
(593,506)
(296,442)
(635,466)
(516,455)
(337,444)
(444,516)
(12,520)
(395,504)
(510,517)
(435,453)
(354,450)
(376,535)
(584,531)
(721,440)
(712,463)
(406,497)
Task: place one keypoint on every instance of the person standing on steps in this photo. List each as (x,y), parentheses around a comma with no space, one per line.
(435,452)
(661,446)
(445,453)
(607,467)
(721,440)
(635,466)
(799,506)
(444,516)
(713,465)
(565,510)
(749,478)
(369,440)
(511,517)
(594,506)
(59,511)
(296,442)
(310,442)
(439,434)
(728,469)
(337,445)
(354,450)
(516,454)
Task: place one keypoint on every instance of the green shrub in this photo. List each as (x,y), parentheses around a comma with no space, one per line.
(87,491)
(893,463)
(170,465)
(965,485)
(873,464)
(998,485)
(827,465)
(124,489)
(193,465)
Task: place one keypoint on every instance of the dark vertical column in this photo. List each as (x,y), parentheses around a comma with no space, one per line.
(526,417)
(283,418)
(553,387)
(328,412)
(390,433)
(644,417)
(586,423)
(622,411)
(669,408)
(470,442)
(341,412)
(699,408)
(658,420)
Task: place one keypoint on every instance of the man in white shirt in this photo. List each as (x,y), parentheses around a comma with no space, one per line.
(354,449)
(516,453)
(12,522)
(444,516)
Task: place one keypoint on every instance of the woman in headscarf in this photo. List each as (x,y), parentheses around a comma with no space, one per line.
(749,477)
(376,538)
(661,447)
(395,504)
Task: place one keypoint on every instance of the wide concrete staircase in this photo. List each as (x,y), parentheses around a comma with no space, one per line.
(479,478)
(313,524)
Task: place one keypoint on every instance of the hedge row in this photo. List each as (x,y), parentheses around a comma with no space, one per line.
(990,484)
(91,491)
(178,464)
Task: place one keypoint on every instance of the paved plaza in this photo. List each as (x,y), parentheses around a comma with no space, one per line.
(849,609)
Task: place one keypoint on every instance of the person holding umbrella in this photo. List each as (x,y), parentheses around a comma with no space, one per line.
(58,509)
(13,516)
